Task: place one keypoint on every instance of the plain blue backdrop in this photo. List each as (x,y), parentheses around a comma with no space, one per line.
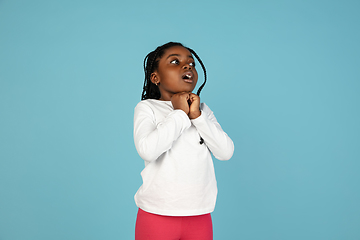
(283,81)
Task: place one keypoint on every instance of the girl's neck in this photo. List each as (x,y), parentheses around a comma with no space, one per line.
(166,97)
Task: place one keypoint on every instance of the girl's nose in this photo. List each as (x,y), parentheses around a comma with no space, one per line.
(186,66)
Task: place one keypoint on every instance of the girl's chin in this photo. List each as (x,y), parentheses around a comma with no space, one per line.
(189,88)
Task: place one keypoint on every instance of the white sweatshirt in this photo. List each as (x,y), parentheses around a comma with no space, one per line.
(179,177)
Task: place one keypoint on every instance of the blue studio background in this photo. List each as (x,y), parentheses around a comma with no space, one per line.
(283,81)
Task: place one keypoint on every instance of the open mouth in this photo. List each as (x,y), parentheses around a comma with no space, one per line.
(188,77)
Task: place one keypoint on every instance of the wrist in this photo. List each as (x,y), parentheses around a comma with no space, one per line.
(194,115)
(186,111)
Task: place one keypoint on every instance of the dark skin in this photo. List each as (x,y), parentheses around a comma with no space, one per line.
(176,78)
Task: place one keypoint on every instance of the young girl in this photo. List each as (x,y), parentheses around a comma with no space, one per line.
(175,135)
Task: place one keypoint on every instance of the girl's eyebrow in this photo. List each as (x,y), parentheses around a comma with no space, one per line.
(178,55)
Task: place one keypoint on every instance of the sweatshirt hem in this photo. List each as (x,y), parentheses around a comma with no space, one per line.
(177,213)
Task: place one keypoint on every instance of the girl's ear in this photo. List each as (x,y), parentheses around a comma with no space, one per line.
(154,78)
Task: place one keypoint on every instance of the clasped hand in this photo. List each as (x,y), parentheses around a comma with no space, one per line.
(188,102)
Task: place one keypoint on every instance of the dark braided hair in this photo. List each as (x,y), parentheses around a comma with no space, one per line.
(151,63)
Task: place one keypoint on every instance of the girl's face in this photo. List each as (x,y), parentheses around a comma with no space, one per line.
(176,72)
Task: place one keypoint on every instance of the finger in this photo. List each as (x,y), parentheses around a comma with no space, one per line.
(187,95)
(193,95)
(195,99)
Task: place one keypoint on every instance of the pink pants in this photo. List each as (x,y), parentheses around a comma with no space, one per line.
(157,227)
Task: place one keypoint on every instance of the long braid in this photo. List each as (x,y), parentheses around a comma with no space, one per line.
(150,90)
(203,67)
(145,87)
(154,91)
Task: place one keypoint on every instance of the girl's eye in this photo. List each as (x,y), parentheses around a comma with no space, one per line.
(175,61)
(192,64)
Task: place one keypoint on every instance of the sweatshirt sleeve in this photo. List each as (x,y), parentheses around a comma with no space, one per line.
(151,138)
(219,143)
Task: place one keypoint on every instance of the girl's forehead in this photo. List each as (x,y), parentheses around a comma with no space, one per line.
(179,50)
